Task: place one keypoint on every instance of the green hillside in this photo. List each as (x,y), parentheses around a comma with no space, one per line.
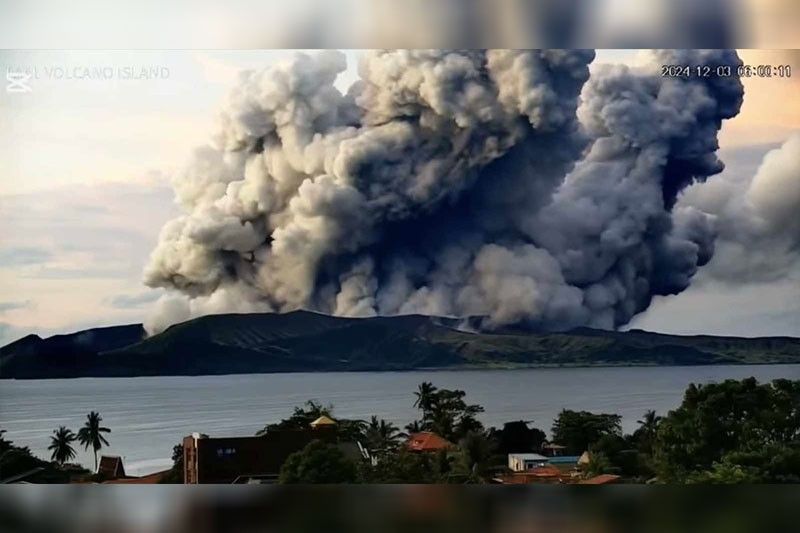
(306,341)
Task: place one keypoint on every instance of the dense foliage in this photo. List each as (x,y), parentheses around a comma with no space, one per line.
(61,445)
(734,431)
(729,432)
(18,463)
(578,430)
(319,462)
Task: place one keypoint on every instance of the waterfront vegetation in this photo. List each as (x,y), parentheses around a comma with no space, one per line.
(722,433)
(729,432)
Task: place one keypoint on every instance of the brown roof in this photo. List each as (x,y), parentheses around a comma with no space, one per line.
(427,441)
(149,479)
(602,479)
(111,466)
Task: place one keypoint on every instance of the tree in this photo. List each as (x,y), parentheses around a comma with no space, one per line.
(5,445)
(91,434)
(578,430)
(404,466)
(318,462)
(723,474)
(381,436)
(645,434)
(517,437)
(61,445)
(414,426)
(744,424)
(301,418)
(446,413)
(424,395)
(175,474)
(476,451)
(15,460)
(600,464)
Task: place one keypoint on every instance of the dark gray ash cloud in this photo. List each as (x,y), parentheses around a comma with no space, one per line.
(503,184)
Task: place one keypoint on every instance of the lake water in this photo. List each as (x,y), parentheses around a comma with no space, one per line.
(148,416)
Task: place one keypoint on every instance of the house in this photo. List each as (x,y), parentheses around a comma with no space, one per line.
(111,467)
(255,459)
(521,462)
(427,441)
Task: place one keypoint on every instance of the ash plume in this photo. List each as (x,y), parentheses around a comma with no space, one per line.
(504,184)
(756,219)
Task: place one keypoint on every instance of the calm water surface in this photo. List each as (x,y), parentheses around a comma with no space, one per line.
(148,416)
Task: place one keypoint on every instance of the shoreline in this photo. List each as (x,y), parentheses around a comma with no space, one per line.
(459,368)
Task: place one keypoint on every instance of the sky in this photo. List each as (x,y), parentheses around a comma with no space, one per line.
(85,185)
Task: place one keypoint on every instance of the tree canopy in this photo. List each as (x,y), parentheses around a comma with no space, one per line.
(724,429)
(446,413)
(61,445)
(578,430)
(319,462)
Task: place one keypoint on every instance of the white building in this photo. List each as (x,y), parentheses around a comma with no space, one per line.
(520,462)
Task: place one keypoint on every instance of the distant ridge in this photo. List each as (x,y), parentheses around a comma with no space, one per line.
(304,341)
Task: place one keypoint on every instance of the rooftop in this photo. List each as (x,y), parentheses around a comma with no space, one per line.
(111,466)
(530,456)
(323,421)
(563,459)
(427,441)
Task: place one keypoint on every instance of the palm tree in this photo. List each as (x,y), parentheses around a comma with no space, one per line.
(61,444)
(648,427)
(381,435)
(413,427)
(91,434)
(477,453)
(649,423)
(424,395)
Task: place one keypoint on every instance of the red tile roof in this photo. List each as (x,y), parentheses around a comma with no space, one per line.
(427,441)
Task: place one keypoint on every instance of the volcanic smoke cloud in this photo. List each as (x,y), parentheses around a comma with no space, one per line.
(501,184)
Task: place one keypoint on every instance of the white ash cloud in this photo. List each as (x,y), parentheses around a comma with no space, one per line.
(501,184)
(757,219)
